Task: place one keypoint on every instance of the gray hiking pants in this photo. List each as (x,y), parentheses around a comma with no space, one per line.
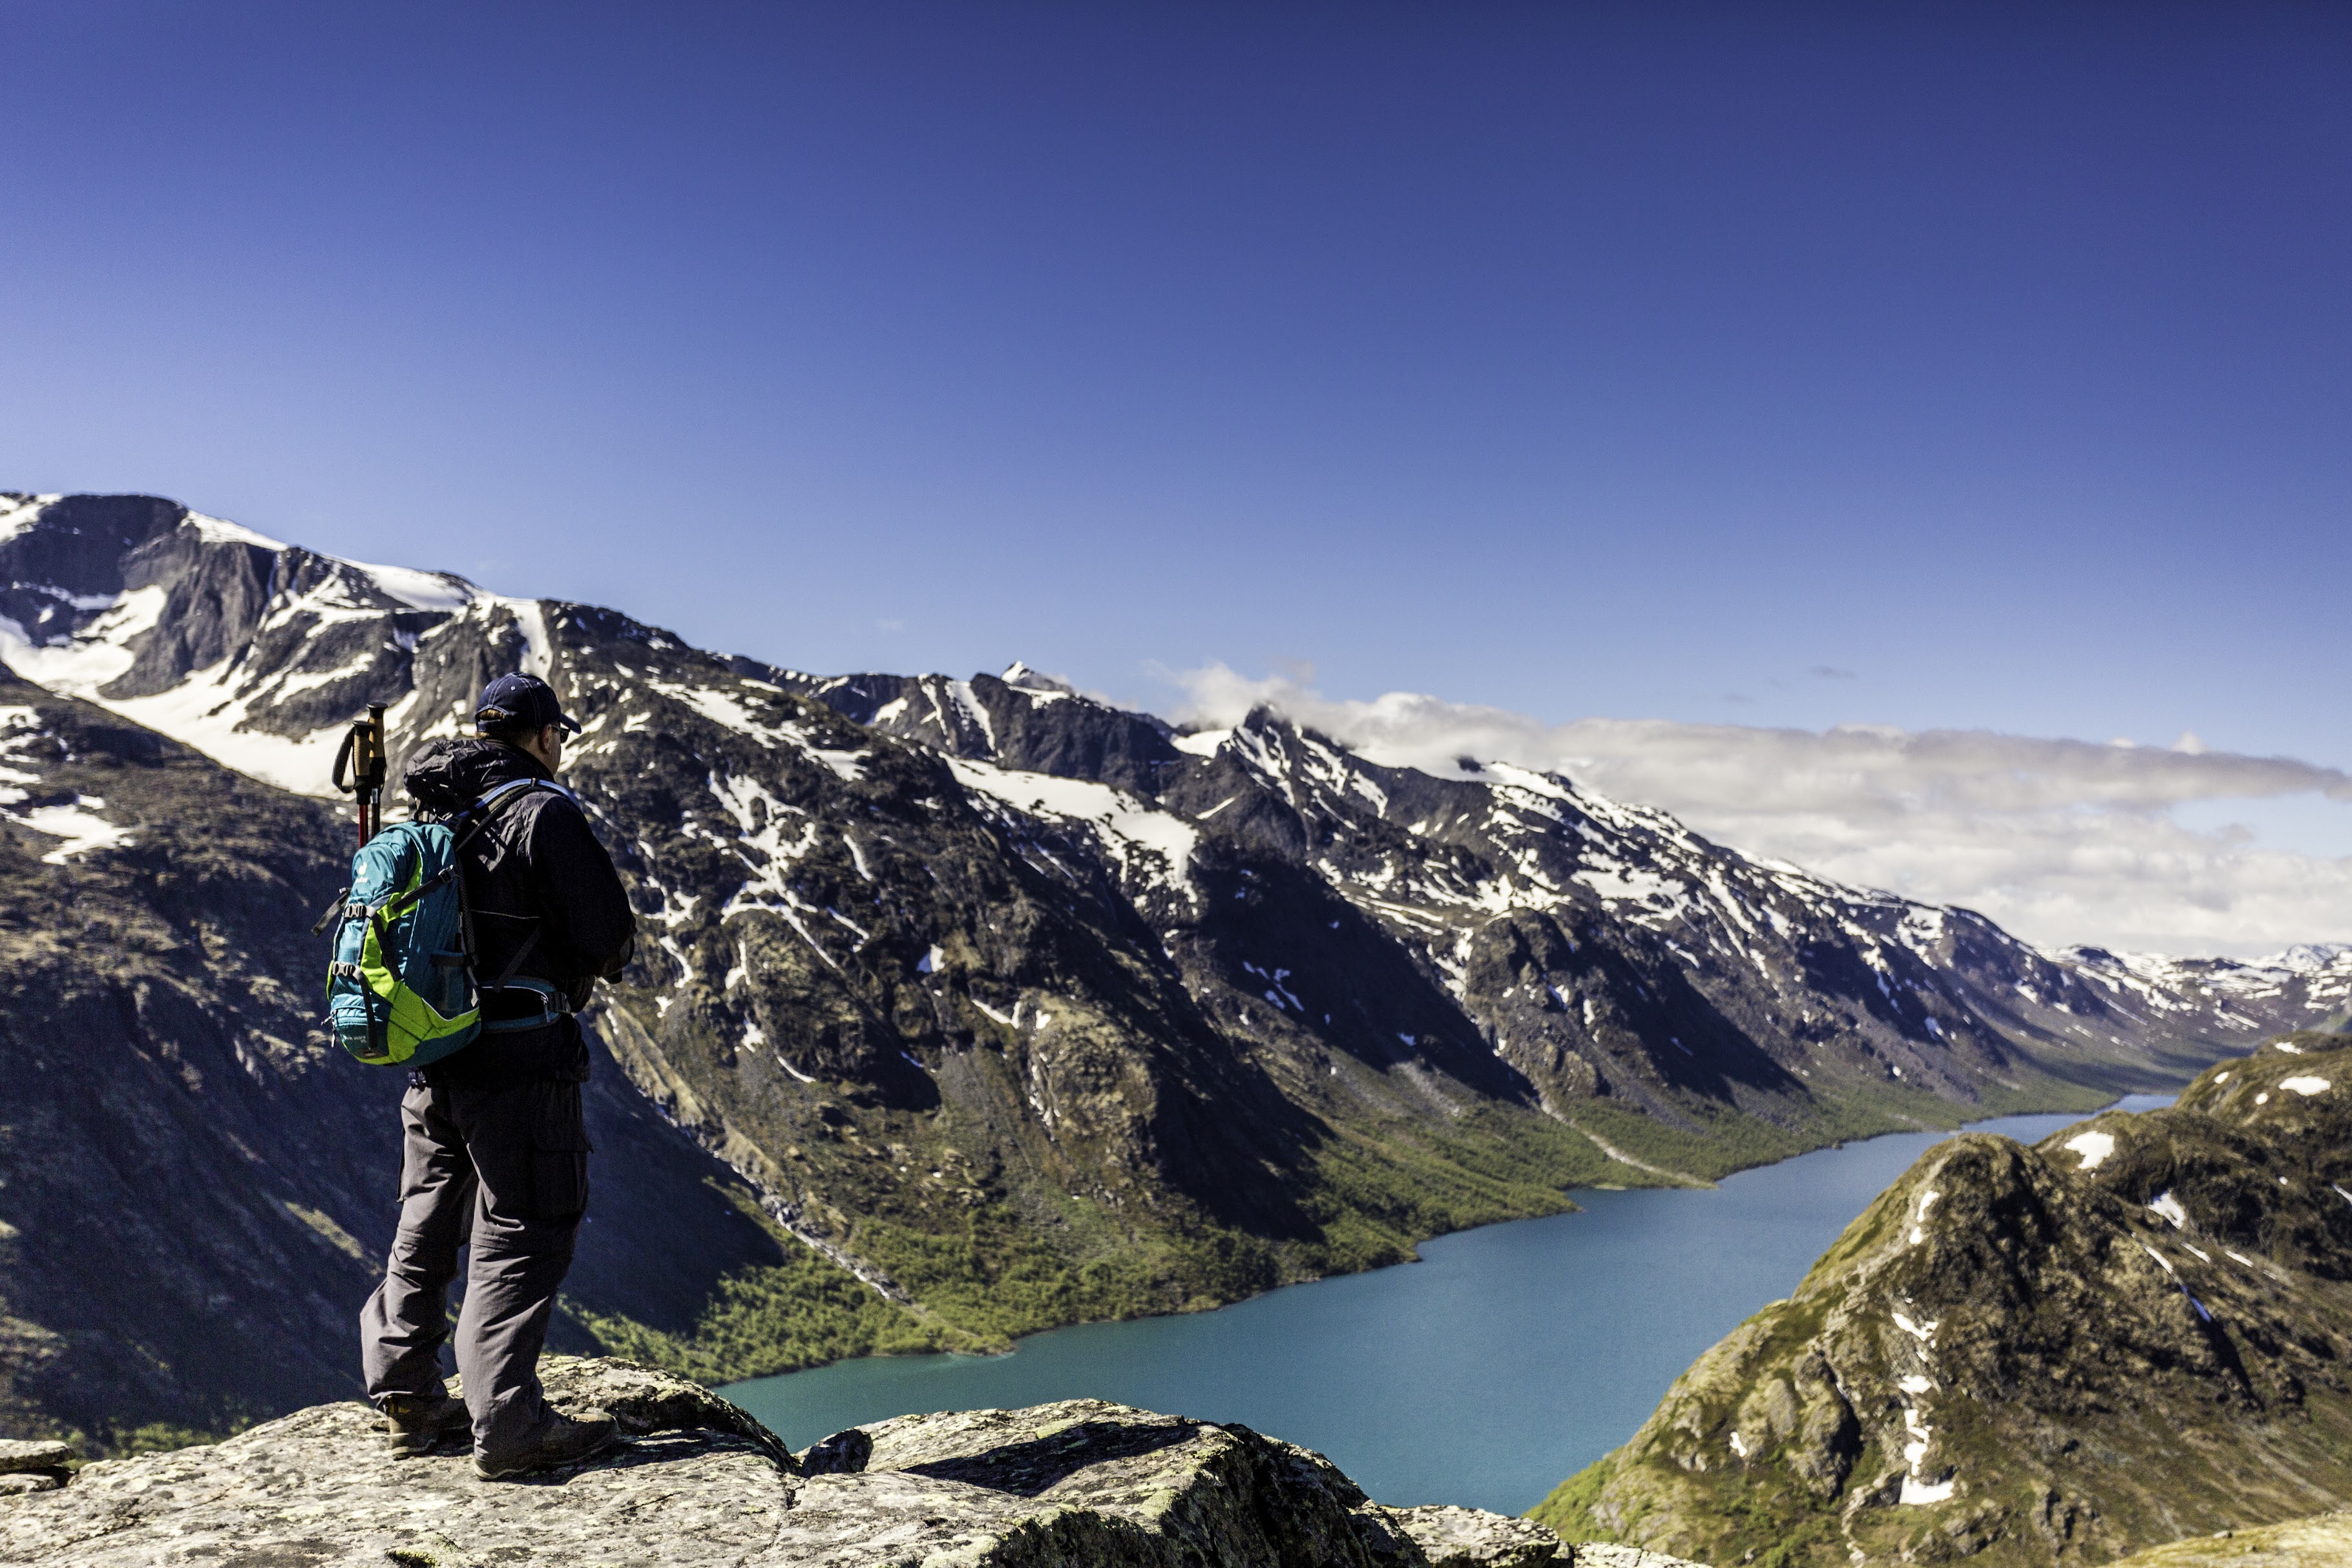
(506,1169)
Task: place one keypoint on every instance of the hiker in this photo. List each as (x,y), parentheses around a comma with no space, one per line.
(493,1147)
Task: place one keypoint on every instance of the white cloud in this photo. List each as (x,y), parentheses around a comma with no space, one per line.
(2060,841)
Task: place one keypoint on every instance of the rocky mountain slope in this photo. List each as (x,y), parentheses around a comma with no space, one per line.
(698,1481)
(1617,965)
(2139,1330)
(1020,1008)
(196,1189)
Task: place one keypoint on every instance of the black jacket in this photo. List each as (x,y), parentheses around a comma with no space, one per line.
(538,884)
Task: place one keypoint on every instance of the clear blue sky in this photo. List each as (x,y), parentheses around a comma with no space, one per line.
(1640,359)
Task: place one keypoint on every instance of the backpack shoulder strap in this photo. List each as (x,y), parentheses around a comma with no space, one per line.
(484,811)
(486,805)
(497,795)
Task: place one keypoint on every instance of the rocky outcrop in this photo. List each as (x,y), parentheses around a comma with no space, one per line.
(2137,1330)
(33,1465)
(697,1481)
(1467,1538)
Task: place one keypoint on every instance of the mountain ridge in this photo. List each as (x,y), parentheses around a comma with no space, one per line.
(1022,1008)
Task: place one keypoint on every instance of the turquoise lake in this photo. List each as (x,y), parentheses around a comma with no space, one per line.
(1506,1360)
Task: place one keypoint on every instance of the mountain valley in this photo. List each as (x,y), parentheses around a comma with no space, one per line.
(961,1008)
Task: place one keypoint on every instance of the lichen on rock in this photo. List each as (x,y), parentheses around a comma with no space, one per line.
(1466,1538)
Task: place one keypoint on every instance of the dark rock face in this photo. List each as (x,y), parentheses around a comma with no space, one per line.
(184,1166)
(1021,721)
(2136,1332)
(1081,1482)
(962,1007)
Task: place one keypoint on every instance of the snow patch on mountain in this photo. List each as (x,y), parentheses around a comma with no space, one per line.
(209,710)
(732,709)
(80,663)
(1035,685)
(221,531)
(1203,742)
(1149,846)
(975,715)
(76,822)
(435,591)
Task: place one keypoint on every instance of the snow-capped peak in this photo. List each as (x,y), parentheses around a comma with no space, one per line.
(220,531)
(2304,957)
(1019,674)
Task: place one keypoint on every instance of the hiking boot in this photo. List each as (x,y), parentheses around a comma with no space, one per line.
(561,1441)
(417,1422)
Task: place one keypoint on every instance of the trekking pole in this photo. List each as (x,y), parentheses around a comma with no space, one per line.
(363,752)
(372,776)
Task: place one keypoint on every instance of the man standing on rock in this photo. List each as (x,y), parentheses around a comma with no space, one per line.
(494,1148)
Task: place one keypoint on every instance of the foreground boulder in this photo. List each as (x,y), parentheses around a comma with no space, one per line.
(2138,1330)
(699,1481)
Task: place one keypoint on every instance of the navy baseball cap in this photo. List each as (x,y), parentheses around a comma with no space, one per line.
(520,699)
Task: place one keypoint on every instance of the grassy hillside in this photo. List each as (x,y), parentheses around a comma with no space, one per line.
(2137,1331)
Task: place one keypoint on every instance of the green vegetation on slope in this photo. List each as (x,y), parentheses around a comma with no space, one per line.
(986,1263)
(997,1275)
(2137,1331)
(803,1313)
(1721,1140)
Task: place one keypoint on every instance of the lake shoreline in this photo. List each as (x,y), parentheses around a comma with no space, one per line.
(1668,1180)
(1356,1363)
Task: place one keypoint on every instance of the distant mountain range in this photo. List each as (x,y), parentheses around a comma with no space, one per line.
(1014,1005)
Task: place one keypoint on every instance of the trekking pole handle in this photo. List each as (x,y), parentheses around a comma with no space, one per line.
(369,771)
(373,773)
(363,752)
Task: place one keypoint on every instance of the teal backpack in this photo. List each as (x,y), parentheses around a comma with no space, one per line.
(401,991)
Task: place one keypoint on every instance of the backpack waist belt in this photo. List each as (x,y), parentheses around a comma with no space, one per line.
(551,1005)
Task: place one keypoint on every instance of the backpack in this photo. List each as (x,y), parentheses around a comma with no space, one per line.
(400,989)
